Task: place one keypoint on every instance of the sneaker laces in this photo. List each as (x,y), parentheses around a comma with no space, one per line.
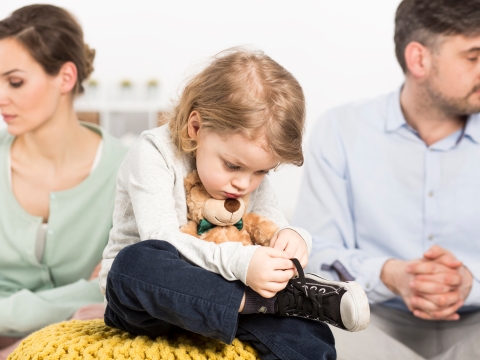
(305,300)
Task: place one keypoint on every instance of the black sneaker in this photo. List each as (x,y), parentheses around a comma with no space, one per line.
(337,303)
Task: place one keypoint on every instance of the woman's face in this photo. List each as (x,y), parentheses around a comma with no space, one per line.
(29,97)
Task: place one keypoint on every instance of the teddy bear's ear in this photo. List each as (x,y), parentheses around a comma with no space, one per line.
(191,180)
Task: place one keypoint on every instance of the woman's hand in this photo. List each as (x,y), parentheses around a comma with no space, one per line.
(95,271)
(89,312)
(292,243)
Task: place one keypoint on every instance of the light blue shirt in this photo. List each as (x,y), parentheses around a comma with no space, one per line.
(373,190)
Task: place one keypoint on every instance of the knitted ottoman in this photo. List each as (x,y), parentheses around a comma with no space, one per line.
(92,339)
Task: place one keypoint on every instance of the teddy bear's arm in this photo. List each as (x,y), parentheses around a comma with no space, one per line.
(241,236)
(217,235)
(259,228)
(190,228)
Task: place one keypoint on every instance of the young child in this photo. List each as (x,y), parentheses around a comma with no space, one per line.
(237,120)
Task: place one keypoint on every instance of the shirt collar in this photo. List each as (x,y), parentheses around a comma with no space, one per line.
(472,128)
(395,119)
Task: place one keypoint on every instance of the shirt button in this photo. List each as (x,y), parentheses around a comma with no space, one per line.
(52,196)
(430,194)
(367,285)
(50,232)
(430,237)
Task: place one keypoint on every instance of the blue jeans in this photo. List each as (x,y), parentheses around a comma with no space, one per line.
(152,291)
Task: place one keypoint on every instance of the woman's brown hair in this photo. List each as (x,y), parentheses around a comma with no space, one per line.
(244,92)
(53,37)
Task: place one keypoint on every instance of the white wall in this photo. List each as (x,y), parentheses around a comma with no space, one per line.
(340,51)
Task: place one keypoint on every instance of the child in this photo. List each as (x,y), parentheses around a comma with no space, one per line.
(238,119)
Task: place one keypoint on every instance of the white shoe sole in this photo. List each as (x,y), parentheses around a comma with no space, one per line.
(354,307)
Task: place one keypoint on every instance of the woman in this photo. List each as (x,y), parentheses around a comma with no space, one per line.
(57,176)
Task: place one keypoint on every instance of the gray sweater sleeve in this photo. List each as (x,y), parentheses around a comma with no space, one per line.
(146,208)
(150,197)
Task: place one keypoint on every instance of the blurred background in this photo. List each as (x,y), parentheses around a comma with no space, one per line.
(340,51)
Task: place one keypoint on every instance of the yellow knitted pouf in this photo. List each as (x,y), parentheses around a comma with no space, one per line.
(92,339)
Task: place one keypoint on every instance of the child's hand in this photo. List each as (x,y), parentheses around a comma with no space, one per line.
(292,243)
(269,271)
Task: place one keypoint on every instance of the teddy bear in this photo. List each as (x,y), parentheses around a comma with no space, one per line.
(223,220)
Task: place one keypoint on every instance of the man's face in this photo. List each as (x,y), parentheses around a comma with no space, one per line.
(453,82)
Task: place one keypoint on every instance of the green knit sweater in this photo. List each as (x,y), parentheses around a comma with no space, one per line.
(36,293)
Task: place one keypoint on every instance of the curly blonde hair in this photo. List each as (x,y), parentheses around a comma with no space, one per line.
(246,92)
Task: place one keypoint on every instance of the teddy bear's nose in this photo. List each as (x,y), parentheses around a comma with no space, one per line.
(232,205)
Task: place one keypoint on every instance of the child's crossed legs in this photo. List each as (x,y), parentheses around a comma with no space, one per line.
(152,291)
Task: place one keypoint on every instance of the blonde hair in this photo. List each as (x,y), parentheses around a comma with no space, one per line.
(245,92)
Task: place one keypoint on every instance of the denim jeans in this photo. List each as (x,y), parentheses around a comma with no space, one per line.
(152,291)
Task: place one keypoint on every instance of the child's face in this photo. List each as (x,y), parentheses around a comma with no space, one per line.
(231,166)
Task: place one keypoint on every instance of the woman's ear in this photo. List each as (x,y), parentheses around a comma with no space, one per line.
(194,124)
(67,76)
(418,59)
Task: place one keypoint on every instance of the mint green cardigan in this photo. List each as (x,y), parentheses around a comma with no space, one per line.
(34,294)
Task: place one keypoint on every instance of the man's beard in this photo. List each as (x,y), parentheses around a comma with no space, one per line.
(451,106)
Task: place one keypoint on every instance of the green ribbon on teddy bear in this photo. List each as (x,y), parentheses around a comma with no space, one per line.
(206,225)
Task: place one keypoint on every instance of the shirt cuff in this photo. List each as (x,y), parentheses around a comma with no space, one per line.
(473,298)
(241,262)
(369,279)
(366,272)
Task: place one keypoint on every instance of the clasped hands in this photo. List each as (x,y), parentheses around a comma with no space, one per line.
(433,287)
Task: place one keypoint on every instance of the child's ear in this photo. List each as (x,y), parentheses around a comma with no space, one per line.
(194,124)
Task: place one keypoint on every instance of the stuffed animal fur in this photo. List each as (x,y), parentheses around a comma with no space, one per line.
(223,217)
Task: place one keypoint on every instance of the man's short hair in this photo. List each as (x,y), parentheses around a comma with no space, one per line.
(425,20)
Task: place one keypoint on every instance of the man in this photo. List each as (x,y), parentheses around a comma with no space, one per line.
(391,193)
